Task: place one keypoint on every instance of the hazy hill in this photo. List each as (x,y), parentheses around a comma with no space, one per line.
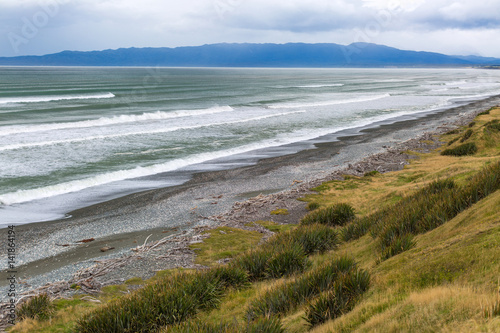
(253,55)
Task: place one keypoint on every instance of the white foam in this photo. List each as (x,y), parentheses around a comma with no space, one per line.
(22,196)
(321,85)
(154,131)
(37,99)
(107,121)
(456,83)
(106,178)
(330,102)
(311,86)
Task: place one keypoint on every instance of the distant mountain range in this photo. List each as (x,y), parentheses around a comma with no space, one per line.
(254,55)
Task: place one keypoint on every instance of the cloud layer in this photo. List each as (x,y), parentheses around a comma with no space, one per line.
(48,26)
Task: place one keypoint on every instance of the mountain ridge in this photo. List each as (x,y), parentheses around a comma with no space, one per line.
(290,55)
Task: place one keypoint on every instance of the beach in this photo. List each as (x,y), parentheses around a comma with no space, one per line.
(49,252)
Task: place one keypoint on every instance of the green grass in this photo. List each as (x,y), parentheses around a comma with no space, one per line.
(281,211)
(224,242)
(273,226)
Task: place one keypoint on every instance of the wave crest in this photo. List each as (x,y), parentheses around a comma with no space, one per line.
(38,99)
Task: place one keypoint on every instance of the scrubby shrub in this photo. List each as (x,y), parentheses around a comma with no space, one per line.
(462,150)
(455,131)
(334,215)
(472,124)
(39,307)
(467,135)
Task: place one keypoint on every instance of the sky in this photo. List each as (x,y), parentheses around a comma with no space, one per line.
(37,27)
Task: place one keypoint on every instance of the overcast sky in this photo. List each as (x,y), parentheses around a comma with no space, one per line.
(35,27)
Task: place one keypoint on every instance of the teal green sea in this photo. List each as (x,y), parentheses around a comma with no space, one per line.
(74,136)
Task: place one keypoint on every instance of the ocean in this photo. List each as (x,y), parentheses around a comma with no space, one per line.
(71,137)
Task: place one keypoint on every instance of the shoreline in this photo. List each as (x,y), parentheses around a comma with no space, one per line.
(216,198)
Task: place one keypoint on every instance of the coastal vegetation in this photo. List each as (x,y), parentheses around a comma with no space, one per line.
(409,251)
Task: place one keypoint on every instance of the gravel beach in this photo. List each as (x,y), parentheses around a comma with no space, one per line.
(160,224)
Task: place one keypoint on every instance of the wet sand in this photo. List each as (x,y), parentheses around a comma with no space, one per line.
(49,251)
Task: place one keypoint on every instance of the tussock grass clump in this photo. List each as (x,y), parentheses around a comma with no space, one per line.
(467,135)
(268,325)
(493,125)
(344,295)
(452,141)
(356,229)
(429,208)
(254,262)
(314,238)
(286,252)
(398,244)
(469,148)
(487,112)
(39,307)
(493,310)
(334,215)
(454,131)
(229,276)
(371,173)
(286,261)
(203,327)
(312,206)
(281,300)
(170,300)
(411,207)
(439,186)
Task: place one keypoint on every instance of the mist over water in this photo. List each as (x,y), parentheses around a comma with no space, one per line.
(74,136)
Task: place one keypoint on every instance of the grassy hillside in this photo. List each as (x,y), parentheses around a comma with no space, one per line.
(422,255)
